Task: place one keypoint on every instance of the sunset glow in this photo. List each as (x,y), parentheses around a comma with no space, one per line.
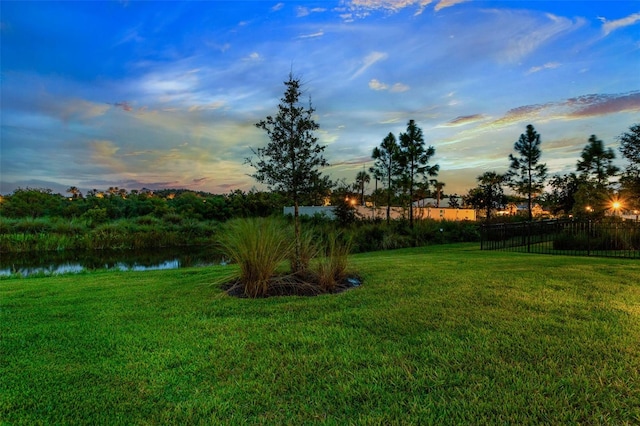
(165,94)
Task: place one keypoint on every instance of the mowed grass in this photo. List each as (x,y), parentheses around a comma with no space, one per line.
(435,335)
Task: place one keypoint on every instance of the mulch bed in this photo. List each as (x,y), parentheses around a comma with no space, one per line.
(295,285)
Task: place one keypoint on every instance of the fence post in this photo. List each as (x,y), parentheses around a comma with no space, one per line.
(589,238)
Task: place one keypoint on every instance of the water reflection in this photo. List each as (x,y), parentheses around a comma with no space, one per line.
(51,263)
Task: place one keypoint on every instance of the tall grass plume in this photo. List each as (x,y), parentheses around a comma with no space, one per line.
(331,269)
(258,246)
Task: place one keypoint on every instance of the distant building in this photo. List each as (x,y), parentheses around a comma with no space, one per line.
(432,202)
(380,212)
(513,209)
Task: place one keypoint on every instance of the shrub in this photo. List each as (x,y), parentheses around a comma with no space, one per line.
(95,216)
(32,226)
(567,241)
(108,236)
(172,218)
(147,221)
(67,227)
(258,246)
(369,237)
(332,268)
(308,249)
(394,241)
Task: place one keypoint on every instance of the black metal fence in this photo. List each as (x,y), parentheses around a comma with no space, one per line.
(605,239)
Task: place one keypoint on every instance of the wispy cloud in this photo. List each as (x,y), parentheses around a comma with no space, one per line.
(530,36)
(131,35)
(368,61)
(547,66)
(374,84)
(399,87)
(603,104)
(103,156)
(277,7)
(302,11)
(448,3)
(580,107)
(313,35)
(252,57)
(204,107)
(609,26)
(124,105)
(464,120)
(362,7)
(377,85)
(388,5)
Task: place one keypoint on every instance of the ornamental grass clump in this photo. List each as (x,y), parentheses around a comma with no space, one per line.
(258,246)
(309,250)
(331,270)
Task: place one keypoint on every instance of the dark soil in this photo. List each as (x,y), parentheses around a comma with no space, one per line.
(303,284)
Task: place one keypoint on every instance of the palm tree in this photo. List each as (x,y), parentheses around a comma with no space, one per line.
(75,192)
(438,186)
(362,178)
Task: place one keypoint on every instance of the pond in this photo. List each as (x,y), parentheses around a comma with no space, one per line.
(51,263)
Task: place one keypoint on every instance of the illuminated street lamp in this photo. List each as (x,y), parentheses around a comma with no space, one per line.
(616,205)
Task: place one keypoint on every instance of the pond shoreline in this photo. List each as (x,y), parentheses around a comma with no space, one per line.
(75,261)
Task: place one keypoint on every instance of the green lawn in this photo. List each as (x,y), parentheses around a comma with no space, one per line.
(436,335)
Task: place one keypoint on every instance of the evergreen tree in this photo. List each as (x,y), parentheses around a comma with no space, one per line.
(492,194)
(291,161)
(630,179)
(526,176)
(596,163)
(414,161)
(386,166)
(596,168)
(562,195)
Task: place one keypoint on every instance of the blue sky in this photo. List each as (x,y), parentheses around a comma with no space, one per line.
(166,94)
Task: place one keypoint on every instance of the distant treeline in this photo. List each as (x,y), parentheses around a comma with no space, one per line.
(100,207)
(38,220)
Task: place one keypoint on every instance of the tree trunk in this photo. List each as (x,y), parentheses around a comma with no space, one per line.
(411,206)
(389,200)
(297,263)
(411,199)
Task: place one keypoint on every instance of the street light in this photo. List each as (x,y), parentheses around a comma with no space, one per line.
(616,205)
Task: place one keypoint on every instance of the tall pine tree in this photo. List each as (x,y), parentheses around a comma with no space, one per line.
(292,159)
(386,166)
(414,161)
(526,175)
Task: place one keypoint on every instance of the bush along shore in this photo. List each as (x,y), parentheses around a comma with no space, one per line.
(149,232)
(58,234)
